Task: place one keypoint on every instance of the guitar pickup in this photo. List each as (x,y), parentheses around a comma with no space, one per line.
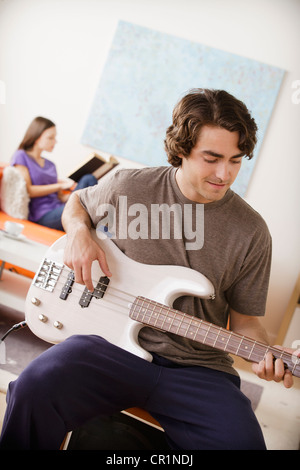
(86,298)
(101,287)
(67,289)
(98,292)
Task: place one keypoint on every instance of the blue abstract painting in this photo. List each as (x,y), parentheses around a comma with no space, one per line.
(147,72)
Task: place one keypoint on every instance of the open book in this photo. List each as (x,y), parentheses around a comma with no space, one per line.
(94,164)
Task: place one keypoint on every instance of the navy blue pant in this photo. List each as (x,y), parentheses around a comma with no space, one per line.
(85,377)
(52,219)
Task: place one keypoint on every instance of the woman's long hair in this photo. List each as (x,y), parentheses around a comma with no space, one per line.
(34,131)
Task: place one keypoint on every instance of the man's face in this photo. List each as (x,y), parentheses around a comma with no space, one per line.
(212,166)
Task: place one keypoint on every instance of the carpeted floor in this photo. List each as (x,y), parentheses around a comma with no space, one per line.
(21,346)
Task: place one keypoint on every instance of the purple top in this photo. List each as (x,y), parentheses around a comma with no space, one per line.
(47,174)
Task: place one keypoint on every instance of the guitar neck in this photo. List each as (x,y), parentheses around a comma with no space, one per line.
(173,321)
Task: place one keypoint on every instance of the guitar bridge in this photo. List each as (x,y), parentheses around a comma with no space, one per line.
(48,274)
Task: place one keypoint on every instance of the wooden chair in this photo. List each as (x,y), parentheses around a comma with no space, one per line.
(136,413)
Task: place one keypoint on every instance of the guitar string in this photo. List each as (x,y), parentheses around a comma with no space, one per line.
(210,326)
(64,274)
(217,336)
(77,293)
(77,288)
(189,318)
(254,355)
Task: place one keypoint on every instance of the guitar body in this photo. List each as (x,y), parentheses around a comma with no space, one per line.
(54,319)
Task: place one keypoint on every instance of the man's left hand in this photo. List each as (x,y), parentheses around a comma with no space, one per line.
(268,369)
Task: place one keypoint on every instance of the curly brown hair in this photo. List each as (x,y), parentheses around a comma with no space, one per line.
(202,107)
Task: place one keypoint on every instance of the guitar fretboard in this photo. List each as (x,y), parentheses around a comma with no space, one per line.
(173,321)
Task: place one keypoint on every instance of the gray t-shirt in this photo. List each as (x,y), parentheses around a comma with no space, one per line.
(226,240)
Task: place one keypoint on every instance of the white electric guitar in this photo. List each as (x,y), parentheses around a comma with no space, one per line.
(136,295)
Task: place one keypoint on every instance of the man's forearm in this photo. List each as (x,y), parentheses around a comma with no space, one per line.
(81,250)
(247,325)
(74,215)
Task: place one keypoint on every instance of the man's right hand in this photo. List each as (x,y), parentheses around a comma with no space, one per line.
(80,252)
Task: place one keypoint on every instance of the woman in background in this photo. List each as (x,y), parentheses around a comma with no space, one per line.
(46,192)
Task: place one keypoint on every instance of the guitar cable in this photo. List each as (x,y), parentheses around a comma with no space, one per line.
(15,327)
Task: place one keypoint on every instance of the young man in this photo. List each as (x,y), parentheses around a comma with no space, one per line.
(192,389)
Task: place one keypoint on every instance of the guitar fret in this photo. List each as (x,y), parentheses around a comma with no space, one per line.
(281,355)
(171,324)
(141,310)
(266,351)
(216,338)
(152,314)
(197,330)
(239,345)
(189,330)
(295,361)
(174,321)
(188,325)
(206,334)
(228,339)
(144,310)
(254,343)
(165,317)
(178,327)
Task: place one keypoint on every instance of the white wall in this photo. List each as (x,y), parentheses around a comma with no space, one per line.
(52,53)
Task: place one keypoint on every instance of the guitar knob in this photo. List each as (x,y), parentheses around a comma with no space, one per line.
(43,318)
(35,301)
(58,325)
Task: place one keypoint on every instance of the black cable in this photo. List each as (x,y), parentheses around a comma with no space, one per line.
(15,327)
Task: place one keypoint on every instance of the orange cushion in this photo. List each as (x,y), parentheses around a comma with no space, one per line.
(35,232)
(18,270)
